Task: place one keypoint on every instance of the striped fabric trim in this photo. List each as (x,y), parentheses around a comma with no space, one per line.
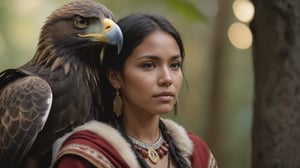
(212,163)
(92,155)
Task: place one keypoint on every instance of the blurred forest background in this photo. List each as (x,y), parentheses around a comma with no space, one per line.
(216,103)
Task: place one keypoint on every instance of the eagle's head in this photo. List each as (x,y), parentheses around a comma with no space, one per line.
(78,30)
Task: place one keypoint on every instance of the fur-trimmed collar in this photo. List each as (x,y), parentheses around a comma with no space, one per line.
(178,133)
(181,139)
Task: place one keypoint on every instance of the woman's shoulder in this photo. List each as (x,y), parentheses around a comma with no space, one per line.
(97,143)
(201,154)
(197,141)
(83,148)
(191,145)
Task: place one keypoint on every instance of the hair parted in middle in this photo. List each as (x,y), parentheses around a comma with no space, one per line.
(135,28)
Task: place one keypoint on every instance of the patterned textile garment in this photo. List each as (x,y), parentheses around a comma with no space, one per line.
(96,144)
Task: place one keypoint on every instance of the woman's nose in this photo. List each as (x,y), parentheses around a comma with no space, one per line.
(165,78)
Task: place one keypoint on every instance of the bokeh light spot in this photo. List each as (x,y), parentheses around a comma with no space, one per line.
(240,35)
(243,10)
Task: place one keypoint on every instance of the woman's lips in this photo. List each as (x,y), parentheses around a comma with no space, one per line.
(165,96)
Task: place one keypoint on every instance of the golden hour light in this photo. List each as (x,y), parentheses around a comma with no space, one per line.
(240,35)
(243,10)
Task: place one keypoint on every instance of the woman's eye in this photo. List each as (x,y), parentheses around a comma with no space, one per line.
(81,22)
(176,65)
(148,65)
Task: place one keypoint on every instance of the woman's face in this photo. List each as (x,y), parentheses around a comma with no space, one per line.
(152,75)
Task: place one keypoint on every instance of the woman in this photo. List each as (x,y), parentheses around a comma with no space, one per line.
(138,86)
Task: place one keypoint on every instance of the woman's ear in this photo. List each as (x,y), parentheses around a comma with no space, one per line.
(114,78)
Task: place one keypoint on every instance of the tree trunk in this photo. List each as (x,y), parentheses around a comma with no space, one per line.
(276,54)
(214,126)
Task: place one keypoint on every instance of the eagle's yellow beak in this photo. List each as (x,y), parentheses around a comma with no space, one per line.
(110,33)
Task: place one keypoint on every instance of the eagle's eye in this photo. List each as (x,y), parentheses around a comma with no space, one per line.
(81,22)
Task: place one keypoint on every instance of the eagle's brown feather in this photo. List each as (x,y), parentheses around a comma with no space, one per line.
(70,66)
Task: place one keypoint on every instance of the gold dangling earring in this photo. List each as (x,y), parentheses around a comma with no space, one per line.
(176,108)
(117,103)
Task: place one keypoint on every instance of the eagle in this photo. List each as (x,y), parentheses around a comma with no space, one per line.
(58,89)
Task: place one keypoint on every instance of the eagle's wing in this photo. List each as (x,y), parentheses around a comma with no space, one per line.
(25,102)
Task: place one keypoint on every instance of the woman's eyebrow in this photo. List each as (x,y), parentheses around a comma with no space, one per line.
(149,57)
(157,57)
(176,57)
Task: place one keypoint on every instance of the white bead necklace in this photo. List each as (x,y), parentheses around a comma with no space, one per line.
(152,151)
(154,146)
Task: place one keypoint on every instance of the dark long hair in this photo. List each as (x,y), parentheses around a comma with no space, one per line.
(135,28)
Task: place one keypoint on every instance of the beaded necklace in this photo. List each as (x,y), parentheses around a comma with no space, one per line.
(154,151)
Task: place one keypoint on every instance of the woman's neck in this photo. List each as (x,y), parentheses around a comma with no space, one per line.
(145,129)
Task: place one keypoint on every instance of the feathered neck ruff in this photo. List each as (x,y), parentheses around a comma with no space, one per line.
(114,137)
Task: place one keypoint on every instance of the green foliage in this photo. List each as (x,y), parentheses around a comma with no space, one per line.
(188,9)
